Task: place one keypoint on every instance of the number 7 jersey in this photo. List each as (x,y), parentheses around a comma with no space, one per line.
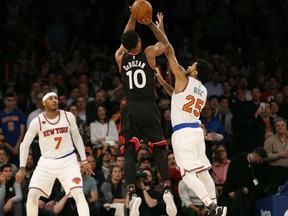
(187,105)
(54,135)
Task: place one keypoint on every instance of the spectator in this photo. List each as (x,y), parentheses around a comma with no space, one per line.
(260,126)
(13,195)
(4,157)
(243,118)
(102,129)
(220,167)
(274,108)
(12,125)
(99,99)
(62,104)
(73,96)
(83,127)
(273,88)
(114,192)
(226,118)
(277,150)
(150,205)
(244,181)
(214,86)
(82,108)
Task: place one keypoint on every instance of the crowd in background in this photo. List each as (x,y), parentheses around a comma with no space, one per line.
(68,46)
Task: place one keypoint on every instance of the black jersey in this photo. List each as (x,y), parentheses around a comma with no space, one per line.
(138,77)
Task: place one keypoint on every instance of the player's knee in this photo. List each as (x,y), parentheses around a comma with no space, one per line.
(33,196)
(78,194)
(188,176)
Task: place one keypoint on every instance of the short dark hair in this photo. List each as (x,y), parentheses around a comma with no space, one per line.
(261,152)
(3,166)
(203,69)
(9,94)
(130,39)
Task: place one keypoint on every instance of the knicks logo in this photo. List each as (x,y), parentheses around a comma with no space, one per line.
(76,180)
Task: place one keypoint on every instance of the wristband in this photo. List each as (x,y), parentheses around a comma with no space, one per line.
(84,161)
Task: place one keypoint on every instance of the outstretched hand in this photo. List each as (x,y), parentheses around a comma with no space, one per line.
(159,76)
(87,168)
(159,22)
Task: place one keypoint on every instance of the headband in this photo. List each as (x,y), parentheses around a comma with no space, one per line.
(49,95)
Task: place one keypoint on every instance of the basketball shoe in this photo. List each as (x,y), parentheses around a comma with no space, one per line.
(218,211)
(171,209)
(134,204)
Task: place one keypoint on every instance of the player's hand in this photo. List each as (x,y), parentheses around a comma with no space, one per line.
(87,168)
(20,175)
(159,76)
(146,21)
(159,22)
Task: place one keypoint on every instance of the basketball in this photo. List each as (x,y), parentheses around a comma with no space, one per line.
(141,9)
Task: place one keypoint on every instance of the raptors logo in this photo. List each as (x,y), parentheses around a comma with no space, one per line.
(76,180)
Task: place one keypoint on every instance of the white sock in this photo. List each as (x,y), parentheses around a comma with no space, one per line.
(207,180)
(198,187)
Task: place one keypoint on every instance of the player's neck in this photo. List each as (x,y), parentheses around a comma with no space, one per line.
(51,114)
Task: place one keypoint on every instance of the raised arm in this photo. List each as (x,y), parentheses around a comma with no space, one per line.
(176,69)
(121,50)
(161,45)
(168,88)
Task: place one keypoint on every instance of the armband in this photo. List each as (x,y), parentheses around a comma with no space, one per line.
(2,187)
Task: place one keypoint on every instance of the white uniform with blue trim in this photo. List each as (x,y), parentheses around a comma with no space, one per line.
(188,138)
(58,159)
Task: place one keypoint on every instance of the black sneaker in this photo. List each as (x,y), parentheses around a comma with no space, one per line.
(218,211)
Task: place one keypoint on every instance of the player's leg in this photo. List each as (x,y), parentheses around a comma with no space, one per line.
(32,201)
(193,182)
(129,167)
(40,185)
(129,144)
(71,180)
(82,205)
(207,180)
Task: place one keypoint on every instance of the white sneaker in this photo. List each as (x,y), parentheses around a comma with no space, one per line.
(170,205)
(134,204)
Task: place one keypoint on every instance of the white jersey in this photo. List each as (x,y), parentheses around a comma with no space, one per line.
(186,106)
(54,135)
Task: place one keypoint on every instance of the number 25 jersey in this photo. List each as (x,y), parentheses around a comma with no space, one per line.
(187,105)
(138,76)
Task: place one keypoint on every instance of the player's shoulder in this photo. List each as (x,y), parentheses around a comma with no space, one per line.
(67,113)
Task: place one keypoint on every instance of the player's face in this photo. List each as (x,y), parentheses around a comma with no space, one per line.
(51,103)
(191,71)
